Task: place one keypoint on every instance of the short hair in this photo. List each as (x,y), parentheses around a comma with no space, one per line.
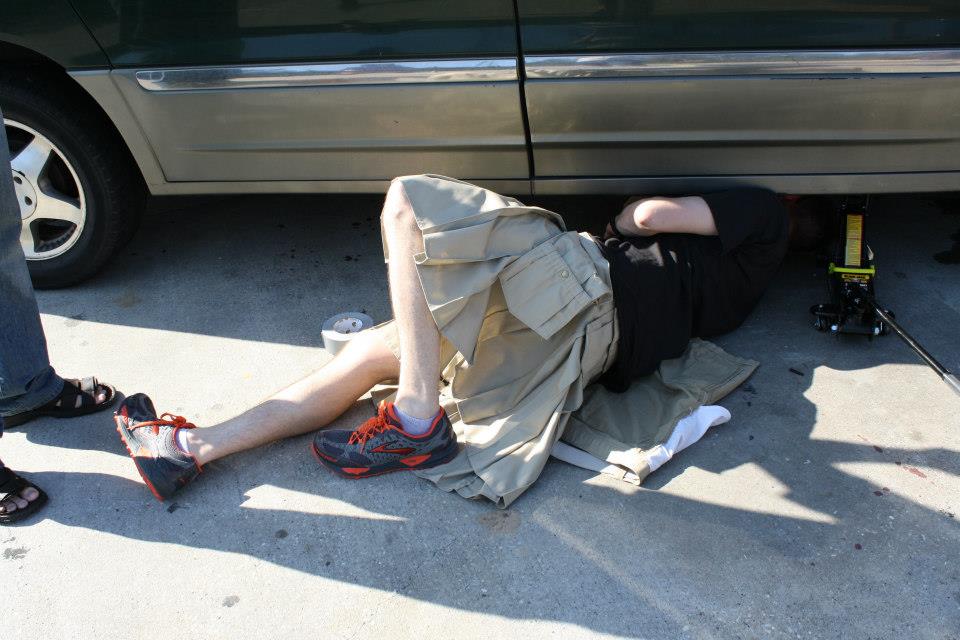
(811,221)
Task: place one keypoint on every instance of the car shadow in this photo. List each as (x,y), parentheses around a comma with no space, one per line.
(268,263)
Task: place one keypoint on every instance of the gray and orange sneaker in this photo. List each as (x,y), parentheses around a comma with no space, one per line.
(380,445)
(152,444)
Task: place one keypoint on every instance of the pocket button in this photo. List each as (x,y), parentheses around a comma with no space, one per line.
(564,273)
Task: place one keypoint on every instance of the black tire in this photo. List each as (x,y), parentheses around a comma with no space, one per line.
(54,106)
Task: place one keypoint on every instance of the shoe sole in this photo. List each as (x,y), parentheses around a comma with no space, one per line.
(124,435)
(368,474)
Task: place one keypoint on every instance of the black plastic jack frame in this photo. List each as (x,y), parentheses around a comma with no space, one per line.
(853,307)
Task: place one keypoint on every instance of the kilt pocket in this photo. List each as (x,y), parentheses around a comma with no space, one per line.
(598,341)
(543,289)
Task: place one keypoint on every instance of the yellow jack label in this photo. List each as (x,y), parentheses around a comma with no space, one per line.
(854,248)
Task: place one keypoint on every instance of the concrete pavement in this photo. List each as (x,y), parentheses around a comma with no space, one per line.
(827,508)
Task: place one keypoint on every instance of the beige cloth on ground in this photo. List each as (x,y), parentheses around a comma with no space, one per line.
(527,322)
(621,428)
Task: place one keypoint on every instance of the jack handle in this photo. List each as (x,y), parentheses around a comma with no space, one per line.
(944,374)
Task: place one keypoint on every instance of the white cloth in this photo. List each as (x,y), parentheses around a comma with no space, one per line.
(688,431)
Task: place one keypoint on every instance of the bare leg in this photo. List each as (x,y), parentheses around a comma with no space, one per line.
(319,398)
(304,406)
(417,393)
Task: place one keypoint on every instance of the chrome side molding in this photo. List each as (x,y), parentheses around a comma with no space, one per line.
(744,63)
(722,63)
(332,74)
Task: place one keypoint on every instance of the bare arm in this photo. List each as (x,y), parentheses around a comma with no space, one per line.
(649,216)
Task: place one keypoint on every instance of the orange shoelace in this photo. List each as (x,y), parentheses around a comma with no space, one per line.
(173,421)
(370,428)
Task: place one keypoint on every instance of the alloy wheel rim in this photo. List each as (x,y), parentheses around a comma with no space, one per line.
(53,208)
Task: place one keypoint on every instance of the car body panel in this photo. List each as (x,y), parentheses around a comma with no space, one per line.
(718,117)
(819,184)
(603,26)
(226,120)
(741,91)
(148,33)
(53,31)
(103,89)
(334,131)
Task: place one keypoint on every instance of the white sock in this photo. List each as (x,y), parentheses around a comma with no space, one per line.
(687,431)
(182,441)
(412,425)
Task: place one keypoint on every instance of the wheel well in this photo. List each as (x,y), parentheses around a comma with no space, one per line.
(42,70)
(10,52)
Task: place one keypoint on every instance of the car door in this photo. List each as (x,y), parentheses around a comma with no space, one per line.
(802,95)
(307,95)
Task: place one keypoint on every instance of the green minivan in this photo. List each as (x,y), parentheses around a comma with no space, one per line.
(105,101)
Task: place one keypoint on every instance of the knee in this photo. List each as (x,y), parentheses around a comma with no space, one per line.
(369,351)
(397,212)
(363,345)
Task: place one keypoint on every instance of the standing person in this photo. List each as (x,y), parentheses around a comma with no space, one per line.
(510,316)
(29,387)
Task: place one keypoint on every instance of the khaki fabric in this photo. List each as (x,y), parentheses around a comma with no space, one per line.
(526,317)
(621,427)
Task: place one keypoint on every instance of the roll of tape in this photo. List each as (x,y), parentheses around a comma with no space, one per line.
(340,329)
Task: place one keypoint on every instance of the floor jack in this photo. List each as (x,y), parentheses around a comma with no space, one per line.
(853,307)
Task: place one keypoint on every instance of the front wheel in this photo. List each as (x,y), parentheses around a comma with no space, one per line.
(78,194)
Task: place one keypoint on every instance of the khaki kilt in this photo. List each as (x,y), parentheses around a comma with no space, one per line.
(527,321)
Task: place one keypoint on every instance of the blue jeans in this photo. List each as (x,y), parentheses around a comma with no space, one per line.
(26,378)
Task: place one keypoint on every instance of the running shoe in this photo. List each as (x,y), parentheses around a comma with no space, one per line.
(380,445)
(152,444)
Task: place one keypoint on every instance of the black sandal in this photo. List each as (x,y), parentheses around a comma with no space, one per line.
(77,398)
(10,487)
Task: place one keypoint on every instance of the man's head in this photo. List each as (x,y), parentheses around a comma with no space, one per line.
(811,221)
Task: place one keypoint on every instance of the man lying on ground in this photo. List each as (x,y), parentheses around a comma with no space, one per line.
(501,318)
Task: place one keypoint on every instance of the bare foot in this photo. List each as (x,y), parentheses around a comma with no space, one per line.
(19,501)
(100,398)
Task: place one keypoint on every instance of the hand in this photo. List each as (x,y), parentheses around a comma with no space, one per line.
(625,223)
(609,232)
(622,225)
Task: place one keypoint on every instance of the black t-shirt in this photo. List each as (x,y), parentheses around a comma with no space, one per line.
(671,287)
